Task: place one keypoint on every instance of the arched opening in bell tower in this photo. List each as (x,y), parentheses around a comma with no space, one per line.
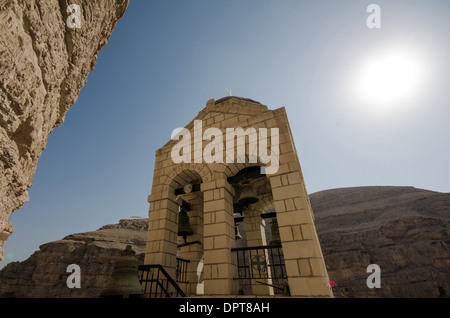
(258,252)
(189,255)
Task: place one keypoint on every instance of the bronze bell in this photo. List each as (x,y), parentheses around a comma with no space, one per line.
(247,195)
(237,233)
(184,228)
(275,233)
(124,281)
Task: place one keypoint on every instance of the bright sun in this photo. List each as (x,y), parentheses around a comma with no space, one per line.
(390,78)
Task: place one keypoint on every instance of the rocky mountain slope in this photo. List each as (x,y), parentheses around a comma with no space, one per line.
(44,274)
(402,229)
(45,61)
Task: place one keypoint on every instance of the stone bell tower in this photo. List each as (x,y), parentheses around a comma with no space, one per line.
(229,211)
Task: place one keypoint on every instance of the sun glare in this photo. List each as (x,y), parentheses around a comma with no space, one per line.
(389,78)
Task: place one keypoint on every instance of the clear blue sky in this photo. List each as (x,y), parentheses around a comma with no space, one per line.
(165,59)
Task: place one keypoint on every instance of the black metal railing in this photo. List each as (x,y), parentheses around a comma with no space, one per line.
(262,264)
(157,283)
(181,270)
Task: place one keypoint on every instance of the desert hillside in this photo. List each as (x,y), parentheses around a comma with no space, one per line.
(402,229)
(44,274)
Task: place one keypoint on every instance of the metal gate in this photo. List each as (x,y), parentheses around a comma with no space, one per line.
(261,265)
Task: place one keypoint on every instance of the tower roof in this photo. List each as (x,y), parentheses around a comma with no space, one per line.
(235,97)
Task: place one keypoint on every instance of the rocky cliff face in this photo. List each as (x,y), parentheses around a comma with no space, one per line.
(44,64)
(44,274)
(402,229)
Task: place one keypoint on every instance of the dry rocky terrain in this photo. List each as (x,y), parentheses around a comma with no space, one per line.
(44,274)
(402,229)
